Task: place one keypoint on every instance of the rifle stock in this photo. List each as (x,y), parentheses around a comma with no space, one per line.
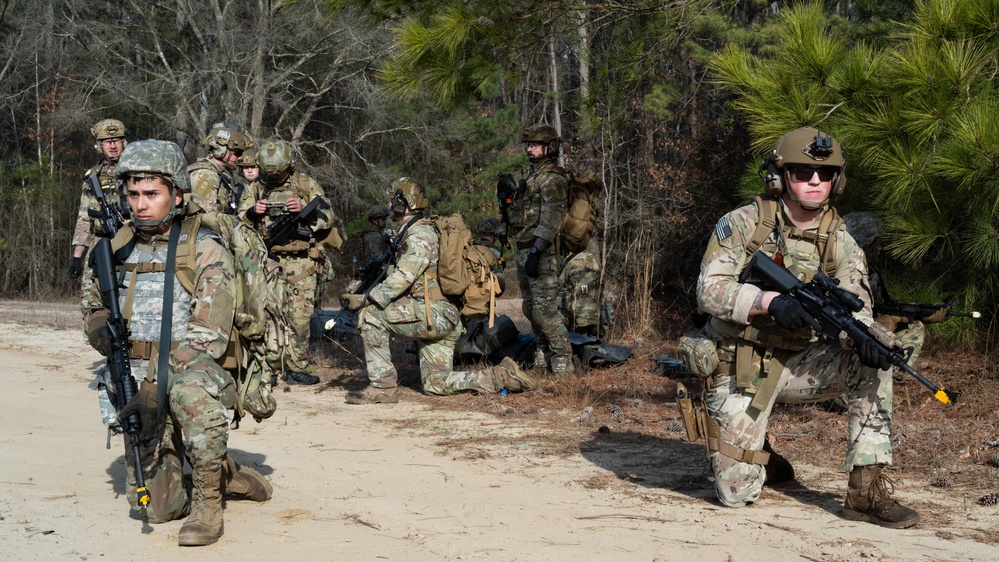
(833,307)
(118,364)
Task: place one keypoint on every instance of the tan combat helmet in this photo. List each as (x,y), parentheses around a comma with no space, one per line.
(223,137)
(407,193)
(806,146)
(108,129)
(248,159)
(377,212)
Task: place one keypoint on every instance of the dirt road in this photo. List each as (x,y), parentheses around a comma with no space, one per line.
(383,483)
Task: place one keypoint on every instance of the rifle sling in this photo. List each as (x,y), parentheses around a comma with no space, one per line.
(166,326)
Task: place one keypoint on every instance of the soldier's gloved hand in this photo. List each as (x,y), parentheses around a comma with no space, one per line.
(789,314)
(531,265)
(937,317)
(75,268)
(353,301)
(870,355)
(98,333)
(143,403)
(890,322)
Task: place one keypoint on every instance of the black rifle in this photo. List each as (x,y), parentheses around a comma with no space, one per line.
(919,310)
(118,363)
(505,192)
(833,307)
(285,228)
(110,214)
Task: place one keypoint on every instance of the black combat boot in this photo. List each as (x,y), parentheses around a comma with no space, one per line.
(296,377)
(778,468)
(869,499)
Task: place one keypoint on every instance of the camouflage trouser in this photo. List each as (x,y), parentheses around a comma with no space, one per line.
(197,426)
(913,336)
(407,317)
(301,306)
(821,371)
(541,307)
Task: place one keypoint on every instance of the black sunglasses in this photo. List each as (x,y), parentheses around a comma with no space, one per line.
(801,173)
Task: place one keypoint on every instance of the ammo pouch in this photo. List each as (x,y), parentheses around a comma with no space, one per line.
(699,353)
(692,412)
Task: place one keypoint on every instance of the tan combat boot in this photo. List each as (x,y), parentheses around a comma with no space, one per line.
(869,499)
(374,395)
(204,525)
(245,482)
(511,377)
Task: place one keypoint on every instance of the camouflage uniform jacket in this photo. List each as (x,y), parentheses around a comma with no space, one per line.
(297,185)
(202,321)
(418,254)
(87,226)
(211,185)
(720,294)
(538,212)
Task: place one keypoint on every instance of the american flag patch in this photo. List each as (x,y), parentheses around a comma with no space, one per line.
(722,229)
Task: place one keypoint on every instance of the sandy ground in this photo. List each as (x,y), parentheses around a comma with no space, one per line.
(382,483)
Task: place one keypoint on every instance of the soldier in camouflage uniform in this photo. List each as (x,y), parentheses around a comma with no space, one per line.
(535,217)
(110,137)
(248,166)
(281,190)
(580,298)
(765,347)
(373,239)
(409,302)
(195,425)
(211,175)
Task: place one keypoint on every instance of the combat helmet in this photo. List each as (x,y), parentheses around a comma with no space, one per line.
(806,146)
(407,193)
(489,225)
(543,133)
(248,159)
(226,136)
(275,156)
(108,129)
(864,226)
(155,158)
(377,212)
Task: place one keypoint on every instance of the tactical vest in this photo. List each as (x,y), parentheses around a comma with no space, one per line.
(525,213)
(143,308)
(763,342)
(297,185)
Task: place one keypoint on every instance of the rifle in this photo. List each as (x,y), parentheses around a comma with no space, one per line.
(118,363)
(110,215)
(505,191)
(833,307)
(919,310)
(285,227)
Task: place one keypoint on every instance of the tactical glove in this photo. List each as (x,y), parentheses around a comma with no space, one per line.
(789,314)
(143,403)
(75,268)
(98,333)
(531,265)
(937,317)
(353,301)
(890,322)
(871,356)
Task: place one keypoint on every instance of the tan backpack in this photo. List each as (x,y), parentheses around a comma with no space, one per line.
(580,221)
(464,269)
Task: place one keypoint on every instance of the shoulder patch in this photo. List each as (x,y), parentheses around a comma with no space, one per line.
(723,230)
